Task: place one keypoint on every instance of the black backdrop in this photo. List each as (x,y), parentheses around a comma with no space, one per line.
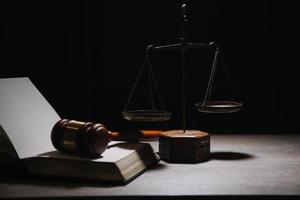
(85,55)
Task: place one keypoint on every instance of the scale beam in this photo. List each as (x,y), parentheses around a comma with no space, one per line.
(179,46)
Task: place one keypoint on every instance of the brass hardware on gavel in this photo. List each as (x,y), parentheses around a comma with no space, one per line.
(83,138)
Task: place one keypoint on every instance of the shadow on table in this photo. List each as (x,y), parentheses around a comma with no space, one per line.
(227,155)
(19,176)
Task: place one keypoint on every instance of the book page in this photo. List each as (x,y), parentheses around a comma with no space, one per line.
(115,151)
(26,117)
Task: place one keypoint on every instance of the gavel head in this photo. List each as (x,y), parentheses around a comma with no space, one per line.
(82,138)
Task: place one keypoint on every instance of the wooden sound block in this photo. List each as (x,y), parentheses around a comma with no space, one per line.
(192,146)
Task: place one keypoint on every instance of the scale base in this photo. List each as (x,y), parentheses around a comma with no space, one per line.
(190,147)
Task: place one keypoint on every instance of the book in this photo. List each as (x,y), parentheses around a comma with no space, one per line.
(26,121)
(120,163)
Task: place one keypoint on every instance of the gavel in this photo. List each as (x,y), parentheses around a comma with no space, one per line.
(90,139)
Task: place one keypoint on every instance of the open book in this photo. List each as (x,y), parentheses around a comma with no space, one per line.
(26,121)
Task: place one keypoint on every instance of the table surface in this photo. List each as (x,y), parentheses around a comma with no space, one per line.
(240,165)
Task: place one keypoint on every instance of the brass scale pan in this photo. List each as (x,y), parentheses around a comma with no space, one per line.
(146,115)
(219,106)
(160,115)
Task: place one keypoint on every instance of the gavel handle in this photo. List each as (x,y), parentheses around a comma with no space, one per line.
(135,135)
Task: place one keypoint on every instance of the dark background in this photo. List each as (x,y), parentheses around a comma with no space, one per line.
(84,57)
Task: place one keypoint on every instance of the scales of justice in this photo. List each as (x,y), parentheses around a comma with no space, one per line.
(184,146)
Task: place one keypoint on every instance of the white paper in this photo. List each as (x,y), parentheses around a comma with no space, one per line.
(26,117)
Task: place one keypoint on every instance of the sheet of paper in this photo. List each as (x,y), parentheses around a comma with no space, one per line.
(26,116)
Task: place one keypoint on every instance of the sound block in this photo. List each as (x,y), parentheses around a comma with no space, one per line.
(192,146)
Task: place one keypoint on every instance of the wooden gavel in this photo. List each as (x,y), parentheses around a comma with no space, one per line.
(90,139)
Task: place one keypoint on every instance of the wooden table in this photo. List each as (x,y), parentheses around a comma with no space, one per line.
(241,166)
